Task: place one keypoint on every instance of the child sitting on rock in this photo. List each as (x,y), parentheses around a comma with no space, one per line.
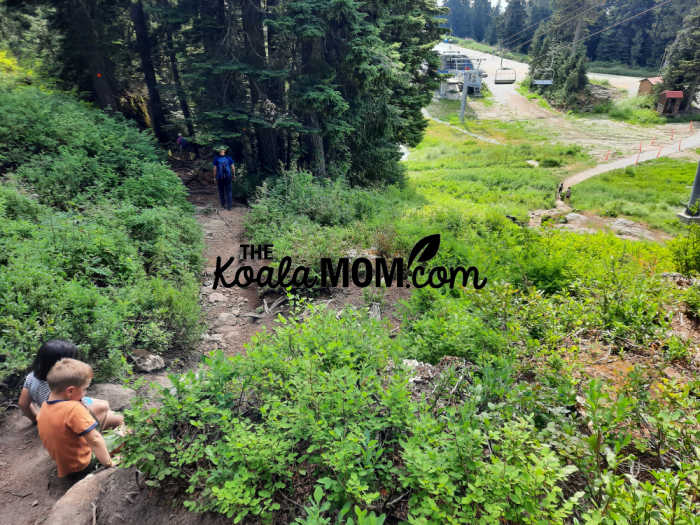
(35,390)
(66,427)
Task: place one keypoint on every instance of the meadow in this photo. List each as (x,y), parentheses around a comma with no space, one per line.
(652,192)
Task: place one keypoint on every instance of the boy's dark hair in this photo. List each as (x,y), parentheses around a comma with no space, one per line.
(49,353)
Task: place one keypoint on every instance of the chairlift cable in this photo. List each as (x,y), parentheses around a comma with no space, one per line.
(576,14)
(622,21)
(611,25)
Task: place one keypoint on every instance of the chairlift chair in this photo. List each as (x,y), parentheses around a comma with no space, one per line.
(504,75)
(546,78)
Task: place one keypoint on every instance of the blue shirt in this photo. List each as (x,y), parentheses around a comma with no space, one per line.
(219,162)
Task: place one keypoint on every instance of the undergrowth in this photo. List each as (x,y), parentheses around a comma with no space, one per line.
(99,244)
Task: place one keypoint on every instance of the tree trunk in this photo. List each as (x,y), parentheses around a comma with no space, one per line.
(179,88)
(144,46)
(251,11)
(82,27)
(313,63)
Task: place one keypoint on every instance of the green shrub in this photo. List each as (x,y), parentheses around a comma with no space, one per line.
(322,403)
(108,258)
(686,250)
(691,297)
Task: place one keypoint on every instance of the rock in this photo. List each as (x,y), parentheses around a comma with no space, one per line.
(630,229)
(75,507)
(232,335)
(533,163)
(575,217)
(146,361)
(213,337)
(672,374)
(223,330)
(117,396)
(216,297)
(225,318)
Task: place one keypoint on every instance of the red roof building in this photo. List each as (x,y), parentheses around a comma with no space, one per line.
(669,102)
(646,85)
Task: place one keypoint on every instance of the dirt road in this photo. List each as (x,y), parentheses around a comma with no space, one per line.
(491,63)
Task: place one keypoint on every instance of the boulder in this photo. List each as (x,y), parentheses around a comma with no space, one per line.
(575,217)
(216,297)
(117,396)
(76,507)
(225,318)
(146,362)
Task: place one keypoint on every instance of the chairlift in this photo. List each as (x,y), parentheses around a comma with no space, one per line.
(546,78)
(504,75)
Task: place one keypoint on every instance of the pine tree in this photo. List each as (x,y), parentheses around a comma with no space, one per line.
(683,67)
(514,20)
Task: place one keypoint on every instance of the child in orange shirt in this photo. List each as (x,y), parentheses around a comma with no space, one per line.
(66,427)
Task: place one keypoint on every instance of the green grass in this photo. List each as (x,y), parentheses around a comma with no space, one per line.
(524,89)
(653,193)
(618,68)
(634,110)
(465,180)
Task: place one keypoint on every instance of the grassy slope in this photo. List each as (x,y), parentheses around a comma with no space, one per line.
(652,192)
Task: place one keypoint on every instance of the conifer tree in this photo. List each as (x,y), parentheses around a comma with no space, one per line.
(683,67)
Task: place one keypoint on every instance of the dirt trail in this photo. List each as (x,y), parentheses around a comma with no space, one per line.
(29,486)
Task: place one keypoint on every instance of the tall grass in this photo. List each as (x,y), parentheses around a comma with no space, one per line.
(635,110)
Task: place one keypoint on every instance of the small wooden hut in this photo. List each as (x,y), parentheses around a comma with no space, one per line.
(669,102)
(646,85)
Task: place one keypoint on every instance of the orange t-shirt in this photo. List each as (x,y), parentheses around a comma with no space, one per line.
(62,425)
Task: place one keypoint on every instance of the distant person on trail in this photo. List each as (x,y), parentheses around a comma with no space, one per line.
(35,390)
(568,193)
(187,146)
(66,428)
(560,189)
(225,172)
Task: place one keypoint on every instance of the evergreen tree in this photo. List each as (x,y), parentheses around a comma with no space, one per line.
(682,71)
(514,20)
(481,19)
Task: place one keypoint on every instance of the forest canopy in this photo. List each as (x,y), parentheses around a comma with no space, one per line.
(329,86)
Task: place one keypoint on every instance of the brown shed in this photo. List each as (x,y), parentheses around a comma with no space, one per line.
(669,102)
(646,85)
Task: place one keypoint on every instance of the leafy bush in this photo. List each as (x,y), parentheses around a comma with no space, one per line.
(108,257)
(686,250)
(320,403)
(692,301)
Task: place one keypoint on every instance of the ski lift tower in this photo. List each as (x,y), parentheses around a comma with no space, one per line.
(455,62)
(691,214)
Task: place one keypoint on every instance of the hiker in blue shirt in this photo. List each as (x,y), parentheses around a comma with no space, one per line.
(224,171)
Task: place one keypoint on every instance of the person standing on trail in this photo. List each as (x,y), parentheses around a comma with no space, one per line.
(560,190)
(225,172)
(568,193)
